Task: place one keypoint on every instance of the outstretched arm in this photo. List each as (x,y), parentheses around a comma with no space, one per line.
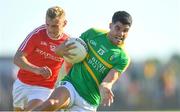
(106,86)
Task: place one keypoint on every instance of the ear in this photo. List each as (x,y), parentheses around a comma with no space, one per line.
(65,22)
(110,25)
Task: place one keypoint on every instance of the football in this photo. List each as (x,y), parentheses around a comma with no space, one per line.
(80,51)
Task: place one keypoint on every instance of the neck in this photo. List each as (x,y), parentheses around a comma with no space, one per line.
(109,35)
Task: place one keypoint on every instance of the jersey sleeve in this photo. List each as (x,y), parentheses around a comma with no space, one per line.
(29,44)
(122,63)
(92,33)
(85,34)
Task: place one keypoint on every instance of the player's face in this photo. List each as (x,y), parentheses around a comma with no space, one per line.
(55,27)
(118,33)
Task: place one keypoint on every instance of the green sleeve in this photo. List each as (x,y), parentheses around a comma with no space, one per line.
(122,63)
(91,33)
(85,35)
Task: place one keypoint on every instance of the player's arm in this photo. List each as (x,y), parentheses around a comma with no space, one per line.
(106,86)
(63,49)
(21,61)
(68,66)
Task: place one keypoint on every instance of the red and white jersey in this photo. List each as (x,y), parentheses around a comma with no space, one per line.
(40,52)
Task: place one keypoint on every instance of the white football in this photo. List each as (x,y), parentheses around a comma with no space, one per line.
(80,51)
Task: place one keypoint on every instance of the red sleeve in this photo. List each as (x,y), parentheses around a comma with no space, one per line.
(29,43)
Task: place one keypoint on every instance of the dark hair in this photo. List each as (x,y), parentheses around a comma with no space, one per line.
(123,17)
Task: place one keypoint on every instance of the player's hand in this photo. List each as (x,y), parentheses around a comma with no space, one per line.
(44,71)
(106,95)
(63,49)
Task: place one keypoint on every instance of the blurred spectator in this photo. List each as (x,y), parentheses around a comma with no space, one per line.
(146,85)
(7,78)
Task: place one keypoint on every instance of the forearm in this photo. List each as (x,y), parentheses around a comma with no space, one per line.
(68,67)
(106,86)
(110,79)
(21,61)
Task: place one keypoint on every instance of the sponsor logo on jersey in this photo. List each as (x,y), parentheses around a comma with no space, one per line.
(97,65)
(43,43)
(48,55)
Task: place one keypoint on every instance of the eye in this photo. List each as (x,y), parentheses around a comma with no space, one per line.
(126,30)
(117,28)
(116,37)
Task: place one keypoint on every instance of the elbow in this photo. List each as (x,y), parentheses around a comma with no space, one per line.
(15,60)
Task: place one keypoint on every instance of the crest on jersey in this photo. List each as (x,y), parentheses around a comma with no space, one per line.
(92,42)
(52,47)
(112,57)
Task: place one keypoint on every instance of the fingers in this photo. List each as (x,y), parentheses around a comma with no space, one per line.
(64,49)
(67,49)
(107,101)
(70,46)
(69,55)
(46,72)
(107,96)
(111,95)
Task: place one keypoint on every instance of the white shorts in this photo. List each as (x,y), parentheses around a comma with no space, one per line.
(23,93)
(77,103)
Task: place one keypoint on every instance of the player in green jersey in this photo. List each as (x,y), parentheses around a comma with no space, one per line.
(89,82)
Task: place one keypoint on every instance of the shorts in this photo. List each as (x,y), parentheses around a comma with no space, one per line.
(23,93)
(77,103)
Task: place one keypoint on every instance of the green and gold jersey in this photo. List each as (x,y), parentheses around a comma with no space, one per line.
(102,56)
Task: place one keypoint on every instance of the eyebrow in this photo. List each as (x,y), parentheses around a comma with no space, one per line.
(117,26)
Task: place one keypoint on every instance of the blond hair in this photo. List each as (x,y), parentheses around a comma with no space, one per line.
(54,12)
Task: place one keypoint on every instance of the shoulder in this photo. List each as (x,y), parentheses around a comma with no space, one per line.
(125,56)
(65,37)
(121,55)
(97,31)
(94,32)
(37,33)
(39,29)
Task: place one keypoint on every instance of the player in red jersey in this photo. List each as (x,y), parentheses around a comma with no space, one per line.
(39,64)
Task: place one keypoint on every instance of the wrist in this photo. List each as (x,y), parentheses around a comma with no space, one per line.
(35,69)
(106,85)
(58,51)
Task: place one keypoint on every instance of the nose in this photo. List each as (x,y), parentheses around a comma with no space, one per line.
(121,34)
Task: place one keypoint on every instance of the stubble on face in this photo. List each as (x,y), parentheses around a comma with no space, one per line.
(118,33)
(55,27)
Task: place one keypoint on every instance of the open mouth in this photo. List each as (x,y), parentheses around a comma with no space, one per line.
(120,38)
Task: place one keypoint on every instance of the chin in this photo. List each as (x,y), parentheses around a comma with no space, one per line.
(119,43)
(54,36)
